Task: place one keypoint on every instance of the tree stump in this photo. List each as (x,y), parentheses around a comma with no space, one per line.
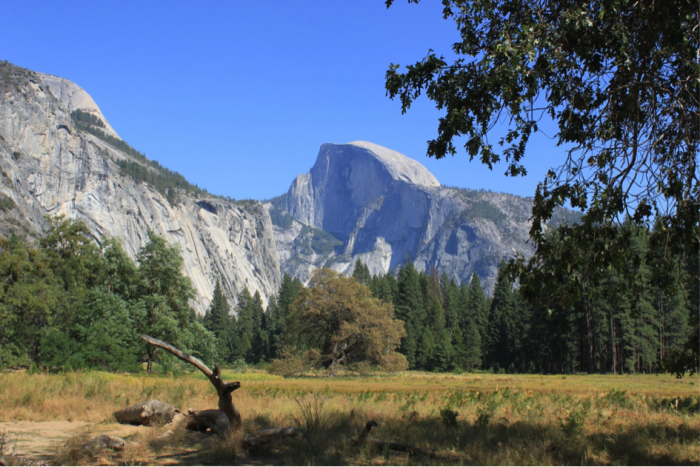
(214,420)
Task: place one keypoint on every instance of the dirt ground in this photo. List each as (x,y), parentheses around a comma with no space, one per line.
(37,441)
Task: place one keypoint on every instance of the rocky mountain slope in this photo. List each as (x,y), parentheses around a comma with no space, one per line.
(59,155)
(53,164)
(361,200)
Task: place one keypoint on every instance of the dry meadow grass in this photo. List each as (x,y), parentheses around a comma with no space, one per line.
(486,419)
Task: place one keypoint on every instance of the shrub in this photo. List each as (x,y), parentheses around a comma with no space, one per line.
(294,362)
(7,204)
(573,424)
(449,416)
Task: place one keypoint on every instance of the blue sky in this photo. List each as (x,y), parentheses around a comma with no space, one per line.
(238,96)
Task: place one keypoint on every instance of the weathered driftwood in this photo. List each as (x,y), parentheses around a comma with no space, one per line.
(214,420)
(223,389)
(227,418)
(365,439)
(146,413)
(105,442)
(166,436)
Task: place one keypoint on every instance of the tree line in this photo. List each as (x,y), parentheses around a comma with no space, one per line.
(640,321)
(71,302)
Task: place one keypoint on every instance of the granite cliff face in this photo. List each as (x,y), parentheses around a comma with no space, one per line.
(361,200)
(50,167)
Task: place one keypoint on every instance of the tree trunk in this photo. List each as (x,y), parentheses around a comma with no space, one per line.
(227,418)
(223,389)
(589,336)
(214,420)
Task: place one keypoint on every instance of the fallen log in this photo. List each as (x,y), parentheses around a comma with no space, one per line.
(146,413)
(223,389)
(364,438)
(227,418)
(105,442)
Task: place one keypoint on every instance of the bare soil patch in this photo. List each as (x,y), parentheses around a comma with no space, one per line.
(38,440)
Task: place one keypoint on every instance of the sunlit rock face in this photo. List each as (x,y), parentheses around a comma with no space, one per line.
(359,200)
(51,168)
(384,208)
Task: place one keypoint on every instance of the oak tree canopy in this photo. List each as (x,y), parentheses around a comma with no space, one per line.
(621,82)
(339,317)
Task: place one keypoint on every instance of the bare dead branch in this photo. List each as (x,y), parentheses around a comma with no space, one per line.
(223,389)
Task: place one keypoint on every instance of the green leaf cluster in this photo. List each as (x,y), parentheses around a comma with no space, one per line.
(69,302)
(620,82)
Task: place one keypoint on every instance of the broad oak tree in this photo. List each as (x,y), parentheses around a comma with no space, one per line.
(339,316)
(621,81)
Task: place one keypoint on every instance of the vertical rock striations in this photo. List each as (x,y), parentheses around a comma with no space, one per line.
(49,167)
(384,208)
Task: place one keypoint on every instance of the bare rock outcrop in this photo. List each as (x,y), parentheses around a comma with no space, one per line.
(361,200)
(48,166)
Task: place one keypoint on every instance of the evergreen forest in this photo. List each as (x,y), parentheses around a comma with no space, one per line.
(69,302)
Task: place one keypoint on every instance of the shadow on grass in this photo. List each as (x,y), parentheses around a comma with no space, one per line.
(496,442)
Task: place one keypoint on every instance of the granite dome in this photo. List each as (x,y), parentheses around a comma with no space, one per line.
(399,166)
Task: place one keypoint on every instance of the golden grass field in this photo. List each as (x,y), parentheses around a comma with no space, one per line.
(485,419)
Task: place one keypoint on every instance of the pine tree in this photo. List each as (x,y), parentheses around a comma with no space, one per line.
(500,330)
(433,298)
(424,353)
(361,273)
(288,293)
(258,337)
(409,309)
(216,319)
(271,316)
(219,321)
(475,306)
(246,322)
(443,357)
(165,291)
(472,346)
(391,288)
(460,350)
(451,304)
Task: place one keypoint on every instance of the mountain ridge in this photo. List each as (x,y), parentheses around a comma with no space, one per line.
(52,167)
(358,201)
(384,215)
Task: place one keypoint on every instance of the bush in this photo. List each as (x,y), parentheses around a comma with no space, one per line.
(7,204)
(449,416)
(573,424)
(294,362)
